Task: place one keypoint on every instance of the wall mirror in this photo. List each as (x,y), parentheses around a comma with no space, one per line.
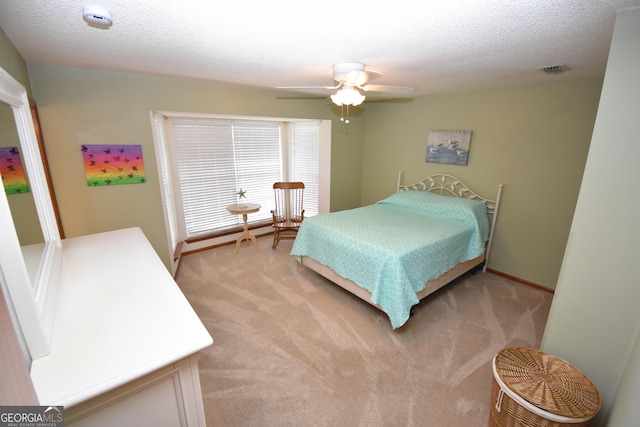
(21,202)
(31,250)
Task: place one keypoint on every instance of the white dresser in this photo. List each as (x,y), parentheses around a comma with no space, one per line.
(125,341)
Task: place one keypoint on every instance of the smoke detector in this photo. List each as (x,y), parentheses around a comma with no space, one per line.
(555,69)
(97,15)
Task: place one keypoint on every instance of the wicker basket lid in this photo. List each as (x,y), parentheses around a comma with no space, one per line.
(548,382)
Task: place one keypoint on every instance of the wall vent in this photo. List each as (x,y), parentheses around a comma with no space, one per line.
(555,69)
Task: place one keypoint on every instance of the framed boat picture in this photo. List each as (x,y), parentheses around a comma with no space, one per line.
(450,147)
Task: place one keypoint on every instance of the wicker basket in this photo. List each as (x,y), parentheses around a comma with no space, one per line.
(531,388)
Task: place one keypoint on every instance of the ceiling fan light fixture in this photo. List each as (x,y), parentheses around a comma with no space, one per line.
(347,95)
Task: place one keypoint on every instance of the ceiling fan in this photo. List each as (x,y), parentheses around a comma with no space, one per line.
(351,78)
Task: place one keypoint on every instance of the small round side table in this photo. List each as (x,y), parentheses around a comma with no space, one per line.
(244,209)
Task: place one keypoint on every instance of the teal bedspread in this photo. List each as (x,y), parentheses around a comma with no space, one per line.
(394,247)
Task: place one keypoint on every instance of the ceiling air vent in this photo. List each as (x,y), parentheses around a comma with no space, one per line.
(555,69)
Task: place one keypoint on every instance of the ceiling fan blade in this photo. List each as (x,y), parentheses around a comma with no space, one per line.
(309,87)
(358,78)
(302,97)
(389,100)
(371,75)
(386,88)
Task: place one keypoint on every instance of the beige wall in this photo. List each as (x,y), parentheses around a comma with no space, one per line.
(80,106)
(13,63)
(595,315)
(532,138)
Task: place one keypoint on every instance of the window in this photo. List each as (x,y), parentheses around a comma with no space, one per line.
(204,161)
(215,160)
(165,181)
(304,162)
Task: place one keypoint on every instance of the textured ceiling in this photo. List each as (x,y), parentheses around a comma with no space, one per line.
(433,45)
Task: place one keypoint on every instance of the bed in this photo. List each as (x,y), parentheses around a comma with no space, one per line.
(395,252)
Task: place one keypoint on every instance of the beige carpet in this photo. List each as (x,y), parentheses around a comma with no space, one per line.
(292,349)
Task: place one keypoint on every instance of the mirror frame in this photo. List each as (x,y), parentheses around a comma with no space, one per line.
(32,302)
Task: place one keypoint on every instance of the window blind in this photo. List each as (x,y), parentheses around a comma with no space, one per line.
(166,183)
(258,163)
(304,162)
(217,158)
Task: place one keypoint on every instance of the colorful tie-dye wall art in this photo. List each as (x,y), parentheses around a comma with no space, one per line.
(113,164)
(12,172)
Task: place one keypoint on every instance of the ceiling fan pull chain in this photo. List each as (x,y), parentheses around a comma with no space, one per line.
(342,118)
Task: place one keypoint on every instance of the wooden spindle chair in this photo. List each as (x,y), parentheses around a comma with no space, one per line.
(289,211)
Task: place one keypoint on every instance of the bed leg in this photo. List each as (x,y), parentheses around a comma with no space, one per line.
(477,268)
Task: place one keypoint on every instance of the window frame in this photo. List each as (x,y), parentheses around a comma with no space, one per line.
(165,149)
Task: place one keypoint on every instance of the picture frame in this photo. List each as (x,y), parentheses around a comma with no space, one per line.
(449,147)
(13,175)
(110,164)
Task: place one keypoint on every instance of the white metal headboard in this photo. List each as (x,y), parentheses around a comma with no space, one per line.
(451,186)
